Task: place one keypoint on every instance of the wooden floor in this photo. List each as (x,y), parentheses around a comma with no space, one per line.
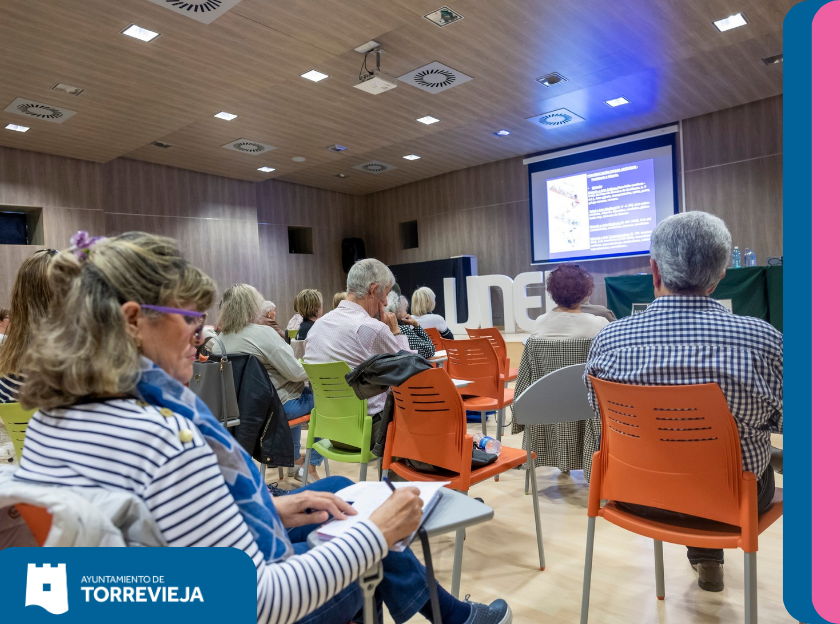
(500,560)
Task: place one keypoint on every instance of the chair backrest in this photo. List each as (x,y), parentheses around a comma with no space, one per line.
(495,337)
(437,339)
(476,361)
(16,419)
(430,424)
(299,348)
(670,447)
(291,334)
(38,519)
(338,413)
(559,397)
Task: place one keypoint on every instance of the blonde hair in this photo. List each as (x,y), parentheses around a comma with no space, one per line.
(242,307)
(338,298)
(422,301)
(85,349)
(308,302)
(31,300)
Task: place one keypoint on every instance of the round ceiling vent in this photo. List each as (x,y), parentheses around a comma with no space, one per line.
(41,111)
(374,166)
(555,119)
(247,146)
(210,5)
(204,11)
(434,78)
(559,118)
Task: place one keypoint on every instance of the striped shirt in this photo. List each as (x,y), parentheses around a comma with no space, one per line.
(9,387)
(126,445)
(694,340)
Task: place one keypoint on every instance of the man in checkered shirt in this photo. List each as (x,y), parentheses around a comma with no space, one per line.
(686,337)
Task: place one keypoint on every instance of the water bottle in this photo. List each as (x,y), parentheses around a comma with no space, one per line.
(487,444)
(749,257)
(736,258)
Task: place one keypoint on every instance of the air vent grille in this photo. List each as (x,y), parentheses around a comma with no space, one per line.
(204,11)
(444,16)
(247,146)
(556,119)
(38,110)
(435,77)
(162,144)
(374,166)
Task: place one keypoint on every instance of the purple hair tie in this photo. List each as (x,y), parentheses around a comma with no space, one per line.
(82,243)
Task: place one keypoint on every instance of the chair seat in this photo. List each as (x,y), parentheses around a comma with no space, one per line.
(486,404)
(508,458)
(692,532)
(326,449)
(299,420)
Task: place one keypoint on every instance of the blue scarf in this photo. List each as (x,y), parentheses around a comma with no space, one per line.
(241,474)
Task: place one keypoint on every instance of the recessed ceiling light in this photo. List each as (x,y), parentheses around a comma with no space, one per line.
(411,157)
(266,169)
(772,60)
(728,23)
(337,148)
(502,133)
(17,128)
(314,76)
(551,79)
(619,101)
(428,119)
(298,159)
(67,89)
(137,32)
(226,116)
(341,175)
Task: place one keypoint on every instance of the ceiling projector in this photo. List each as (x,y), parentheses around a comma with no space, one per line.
(376,82)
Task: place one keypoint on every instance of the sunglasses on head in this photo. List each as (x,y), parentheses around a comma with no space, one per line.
(190,316)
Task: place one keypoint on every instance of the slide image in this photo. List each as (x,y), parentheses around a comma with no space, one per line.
(568,214)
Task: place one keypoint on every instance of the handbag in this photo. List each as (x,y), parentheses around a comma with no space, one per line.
(213,383)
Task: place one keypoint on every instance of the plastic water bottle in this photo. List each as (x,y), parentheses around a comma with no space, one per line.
(749,257)
(736,258)
(487,444)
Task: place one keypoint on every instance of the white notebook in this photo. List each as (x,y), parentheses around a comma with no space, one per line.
(367,496)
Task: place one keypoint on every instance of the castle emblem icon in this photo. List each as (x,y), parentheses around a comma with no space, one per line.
(46,587)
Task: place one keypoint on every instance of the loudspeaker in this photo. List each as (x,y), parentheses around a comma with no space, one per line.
(352,249)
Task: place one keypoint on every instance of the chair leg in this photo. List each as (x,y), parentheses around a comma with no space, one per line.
(379,464)
(750,589)
(587,571)
(537,521)
(484,423)
(500,420)
(327,466)
(460,536)
(529,465)
(659,567)
(262,471)
(306,466)
(363,472)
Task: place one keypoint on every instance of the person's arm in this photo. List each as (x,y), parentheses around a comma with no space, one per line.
(281,357)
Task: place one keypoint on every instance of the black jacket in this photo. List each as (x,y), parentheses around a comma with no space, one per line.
(376,375)
(263,428)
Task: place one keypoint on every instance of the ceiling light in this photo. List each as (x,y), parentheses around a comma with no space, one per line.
(619,101)
(67,89)
(314,76)
(551,79)
(337,148)
(772,60)
(17,128)
(226,116)
(341,175)
(428,119)
(411,157)
(266,169)
(502,133)
(135,31)
(298,159)
(728,23)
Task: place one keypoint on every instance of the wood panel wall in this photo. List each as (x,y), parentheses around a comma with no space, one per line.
(733,169)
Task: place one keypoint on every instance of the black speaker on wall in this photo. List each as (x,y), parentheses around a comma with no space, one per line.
(352,249)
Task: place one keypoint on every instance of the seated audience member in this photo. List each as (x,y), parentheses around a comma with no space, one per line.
(359,327)
(569,286)
(243,333)
(270,318)
(338,298)
(418,339)
(422,304)
(296,320)
(4,324)
(597,310)
(310,305)
(124,331)
(686,337)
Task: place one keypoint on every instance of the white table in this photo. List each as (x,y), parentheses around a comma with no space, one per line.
(438,358)
(461,383)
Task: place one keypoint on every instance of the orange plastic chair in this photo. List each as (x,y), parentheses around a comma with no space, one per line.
(675,448)
(476,361)
(437,340)
(38,519)
(508,372)
(430,426)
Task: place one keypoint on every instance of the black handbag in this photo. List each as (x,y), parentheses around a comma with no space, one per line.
(212,382)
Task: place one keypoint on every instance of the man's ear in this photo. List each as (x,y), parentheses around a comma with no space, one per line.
(132,312)
(373,289)
(657,276)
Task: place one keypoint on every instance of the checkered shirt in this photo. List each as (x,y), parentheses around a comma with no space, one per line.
(683,340)
(418,340)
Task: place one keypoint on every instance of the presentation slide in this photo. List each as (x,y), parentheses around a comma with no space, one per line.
(602,207)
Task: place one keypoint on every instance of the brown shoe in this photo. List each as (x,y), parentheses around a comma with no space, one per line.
(710,575)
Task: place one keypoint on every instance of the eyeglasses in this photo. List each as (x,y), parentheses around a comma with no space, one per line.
(190,316)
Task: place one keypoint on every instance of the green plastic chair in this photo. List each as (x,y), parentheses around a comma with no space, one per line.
(15,419)
(292,333)
(339,415)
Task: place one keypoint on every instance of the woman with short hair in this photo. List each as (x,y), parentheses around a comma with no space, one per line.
(569,286)
(269,310)
(422,304)
(338,298)
(310,306)
(418,339)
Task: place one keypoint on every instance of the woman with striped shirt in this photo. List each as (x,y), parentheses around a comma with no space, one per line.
(108,374)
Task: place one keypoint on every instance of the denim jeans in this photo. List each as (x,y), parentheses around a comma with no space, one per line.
(295,408)
(403,588)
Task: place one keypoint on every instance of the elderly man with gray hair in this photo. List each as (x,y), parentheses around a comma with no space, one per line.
(686,337)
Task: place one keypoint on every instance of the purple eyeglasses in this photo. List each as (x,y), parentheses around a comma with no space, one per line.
(190,316)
